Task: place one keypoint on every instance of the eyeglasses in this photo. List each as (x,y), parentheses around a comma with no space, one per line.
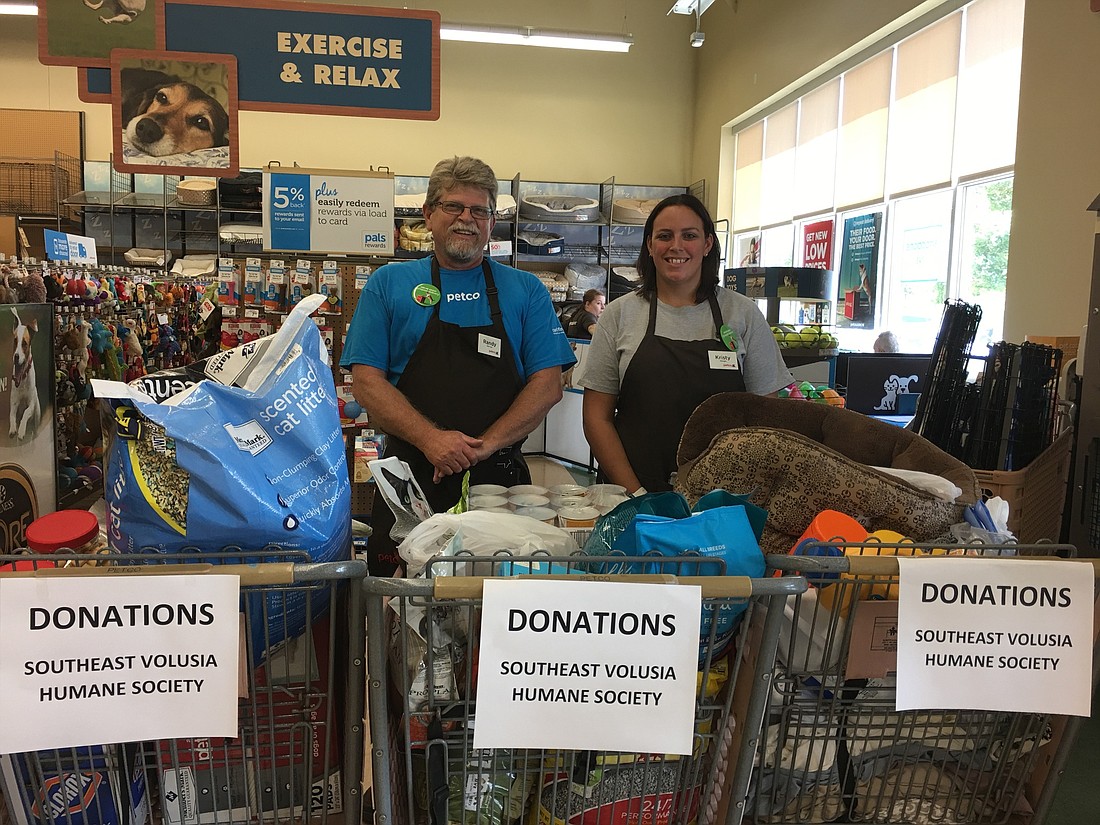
(481,213)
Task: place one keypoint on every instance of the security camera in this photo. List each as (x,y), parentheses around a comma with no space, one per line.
(697,39)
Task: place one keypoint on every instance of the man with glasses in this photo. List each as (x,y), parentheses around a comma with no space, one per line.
(456,357)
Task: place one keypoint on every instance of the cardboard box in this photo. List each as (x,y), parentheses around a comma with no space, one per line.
(1068,344)
(94,785)
(873,643)
(9,244)
(277,764)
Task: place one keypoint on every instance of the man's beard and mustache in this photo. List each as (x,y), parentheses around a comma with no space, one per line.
(463,249)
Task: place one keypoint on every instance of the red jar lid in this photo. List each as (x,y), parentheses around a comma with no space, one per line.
(65,528)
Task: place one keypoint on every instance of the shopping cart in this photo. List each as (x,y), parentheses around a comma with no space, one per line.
(833,749)
(295,759)
(422,643)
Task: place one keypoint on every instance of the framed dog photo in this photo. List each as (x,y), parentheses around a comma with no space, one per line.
(28,439)
(175,113)
(83,33)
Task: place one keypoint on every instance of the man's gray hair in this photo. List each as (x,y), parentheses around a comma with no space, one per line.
(464,171)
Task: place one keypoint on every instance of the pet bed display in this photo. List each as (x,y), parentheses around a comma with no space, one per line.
(409,205)
(415,237)
(583,277)
(241,233)
(556,283)
(797,458)
(632,210)
(629,274)
(194,266)
(506,206)
(539,243)
(146,257)
(242,192)
(559,208)
(197,192)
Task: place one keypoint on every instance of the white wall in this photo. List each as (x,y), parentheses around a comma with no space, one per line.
(548,114)
(1057,172)
(756,48)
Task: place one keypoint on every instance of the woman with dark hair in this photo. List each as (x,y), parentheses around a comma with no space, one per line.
(583,323)
(661,351)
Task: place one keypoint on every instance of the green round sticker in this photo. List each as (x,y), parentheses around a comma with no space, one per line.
(426,294)
(728,338)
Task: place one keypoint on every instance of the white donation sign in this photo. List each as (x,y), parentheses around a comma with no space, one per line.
(587,665)
(119,658)
(995,634)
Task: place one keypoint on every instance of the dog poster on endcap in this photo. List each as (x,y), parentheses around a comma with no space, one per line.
(175,112)
(83,32)
(28,464)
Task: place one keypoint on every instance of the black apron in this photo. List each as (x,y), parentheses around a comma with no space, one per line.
(665,382)
(453,385)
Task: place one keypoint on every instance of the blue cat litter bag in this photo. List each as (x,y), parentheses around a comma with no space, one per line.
(723,528)
(248,458)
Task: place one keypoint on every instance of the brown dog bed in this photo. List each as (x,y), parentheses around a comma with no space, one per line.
(797,458)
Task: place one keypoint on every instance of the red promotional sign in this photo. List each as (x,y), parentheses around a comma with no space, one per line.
(817,244)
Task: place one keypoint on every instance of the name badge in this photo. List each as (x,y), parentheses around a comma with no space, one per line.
(488,345)
(723,360)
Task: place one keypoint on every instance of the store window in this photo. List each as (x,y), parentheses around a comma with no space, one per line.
(777,246)
(985,211)
(918,256)
(921,133)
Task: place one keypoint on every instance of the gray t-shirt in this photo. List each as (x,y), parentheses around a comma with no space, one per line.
(623,324)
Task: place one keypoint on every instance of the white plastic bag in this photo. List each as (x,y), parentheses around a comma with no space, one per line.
(481,534)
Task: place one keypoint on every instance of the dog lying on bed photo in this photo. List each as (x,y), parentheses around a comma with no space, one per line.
(124,10)
(163,115)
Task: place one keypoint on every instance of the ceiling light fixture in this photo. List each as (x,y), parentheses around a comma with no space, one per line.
(689,6)
(697,37)
(18,8)
(527,36)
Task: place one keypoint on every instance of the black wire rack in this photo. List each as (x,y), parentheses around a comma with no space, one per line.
(938,409)
(1006,419)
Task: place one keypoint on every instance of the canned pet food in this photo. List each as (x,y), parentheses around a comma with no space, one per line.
(544,514)
(488,502)
(568,490)
(528,500)
(578,516)
(561,502)
(488,490)
(527,489)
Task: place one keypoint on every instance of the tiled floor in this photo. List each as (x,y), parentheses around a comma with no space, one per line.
(1077,801)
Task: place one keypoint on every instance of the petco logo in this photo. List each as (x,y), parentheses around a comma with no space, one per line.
(463,296)
(249,437)
(68,794)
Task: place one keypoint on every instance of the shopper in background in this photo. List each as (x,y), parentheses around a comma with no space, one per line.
(886,342)
(661,351)
(584,322)
(455,357)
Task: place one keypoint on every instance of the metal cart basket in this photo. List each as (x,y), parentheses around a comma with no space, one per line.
(295,758)
(833,749)
(422,654)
